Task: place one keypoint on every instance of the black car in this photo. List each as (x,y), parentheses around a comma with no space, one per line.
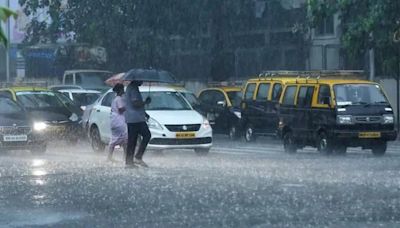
(61,119)
(17,130)
(221,107)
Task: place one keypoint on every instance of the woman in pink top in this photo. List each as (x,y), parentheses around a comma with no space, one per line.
(119,131)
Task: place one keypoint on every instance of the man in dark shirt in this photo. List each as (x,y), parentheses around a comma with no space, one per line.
(135,117)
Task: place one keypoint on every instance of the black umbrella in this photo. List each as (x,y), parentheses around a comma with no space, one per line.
(149,75)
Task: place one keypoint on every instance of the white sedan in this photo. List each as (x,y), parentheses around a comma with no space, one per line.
(173,123)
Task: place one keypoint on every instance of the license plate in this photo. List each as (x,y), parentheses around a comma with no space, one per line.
(15,138)
(366,135)
(185,135)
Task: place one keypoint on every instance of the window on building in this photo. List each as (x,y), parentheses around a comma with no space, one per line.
(325,26)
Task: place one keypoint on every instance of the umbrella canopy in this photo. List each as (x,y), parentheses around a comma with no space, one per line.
(115,79)
(149,75)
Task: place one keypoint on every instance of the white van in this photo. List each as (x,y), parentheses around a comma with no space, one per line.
(173,123)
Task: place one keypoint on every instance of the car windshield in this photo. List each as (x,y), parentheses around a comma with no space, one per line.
(235,97)
(92,79)
(353,94)
(191,98)
(84,99)
(166,101)
(7,106)
(39,99)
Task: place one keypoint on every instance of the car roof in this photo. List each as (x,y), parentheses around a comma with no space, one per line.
(79,91)
(86,70)
(272,79)
(146,88)
(225,88)
(26,88)
(331,81)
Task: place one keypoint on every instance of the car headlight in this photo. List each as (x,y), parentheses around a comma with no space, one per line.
(238,114)
(73,117)
(344,119)
(205,124)
(388,119)
(152,123)
(39,126)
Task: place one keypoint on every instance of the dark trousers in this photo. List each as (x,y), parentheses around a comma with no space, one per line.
(134,130)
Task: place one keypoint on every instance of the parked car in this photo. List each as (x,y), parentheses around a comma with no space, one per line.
(173,123)
(221,106)
(333,114)
(17,130)
(87,79)
(82,97)
(61,121)
(259,107)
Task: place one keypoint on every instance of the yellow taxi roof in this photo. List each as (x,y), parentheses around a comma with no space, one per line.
(26,88)
(269,79)
(227,88)
(331,81)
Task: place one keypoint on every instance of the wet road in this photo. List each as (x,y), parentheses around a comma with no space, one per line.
(237,185)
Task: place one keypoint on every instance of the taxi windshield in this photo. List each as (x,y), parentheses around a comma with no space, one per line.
(359,94)
(39,99)
(235,97)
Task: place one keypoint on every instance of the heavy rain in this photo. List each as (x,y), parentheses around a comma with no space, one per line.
(202,113)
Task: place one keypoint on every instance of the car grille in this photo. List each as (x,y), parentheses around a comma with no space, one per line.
(163,141)
(366,127)
(368,119)
(15,130)
(183,127)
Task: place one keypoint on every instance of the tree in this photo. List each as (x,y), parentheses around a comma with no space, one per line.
(5,13)
(365,24)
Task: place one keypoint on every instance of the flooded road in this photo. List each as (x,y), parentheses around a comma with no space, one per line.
(237,185)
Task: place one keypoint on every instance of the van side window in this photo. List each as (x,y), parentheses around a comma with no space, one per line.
(324,95)
(263,91)
(250,91)
(69,79)
(305,96)
(276,92)
(78,79)
(289,95)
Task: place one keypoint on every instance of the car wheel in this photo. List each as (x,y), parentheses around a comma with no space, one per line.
(202,151)
(95,141)
(233,133)
(39,149)
(289,143)
(324,144)
(379,149)
(249,134)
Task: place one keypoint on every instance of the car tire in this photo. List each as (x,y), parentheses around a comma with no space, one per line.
(249,133)
(289,143)
(324,144)
(233,133)
(40,149)
(202,151)
(95,141)
(379,148)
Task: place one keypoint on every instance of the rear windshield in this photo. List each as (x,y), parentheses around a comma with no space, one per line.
(235,97)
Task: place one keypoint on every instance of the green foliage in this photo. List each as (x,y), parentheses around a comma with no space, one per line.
(5,13)
(365,24)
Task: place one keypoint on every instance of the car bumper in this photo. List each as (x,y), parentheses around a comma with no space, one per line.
(164,139)
(355,135)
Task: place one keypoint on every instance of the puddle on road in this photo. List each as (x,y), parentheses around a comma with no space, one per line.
(36,217)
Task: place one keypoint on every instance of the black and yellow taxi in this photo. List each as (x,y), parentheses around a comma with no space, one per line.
(54,117)
(333,114)
(221,106)
(259,106)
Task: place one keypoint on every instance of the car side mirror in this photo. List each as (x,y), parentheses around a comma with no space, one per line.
(221,103)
